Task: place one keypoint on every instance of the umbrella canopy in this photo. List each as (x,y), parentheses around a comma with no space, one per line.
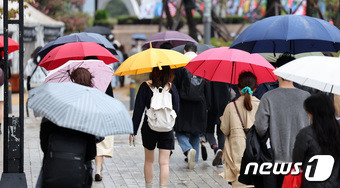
(139,36)
(81,108)
(101,72)
(225,64)
(318,72)
(76,51)
(200,48)
(271,58)
(77,37)
(145,61)
(175,38)
(12,45)
(101,30)
(289,33)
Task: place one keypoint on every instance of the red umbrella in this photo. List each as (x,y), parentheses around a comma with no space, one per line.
(225,64)
(76,51)
(12,45)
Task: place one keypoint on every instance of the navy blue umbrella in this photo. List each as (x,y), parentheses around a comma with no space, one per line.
(139,36)
(77,37)
(289,33)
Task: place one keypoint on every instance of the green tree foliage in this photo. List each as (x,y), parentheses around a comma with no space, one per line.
(67,11)
(116,8)
(101,15)
(12,13)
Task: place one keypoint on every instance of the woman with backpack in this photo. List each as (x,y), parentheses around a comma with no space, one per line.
(157,100)
(67,153)
(322,137)
(237,118)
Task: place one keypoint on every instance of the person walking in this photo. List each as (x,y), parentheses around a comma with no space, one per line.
(221,95)
(281,113)
(161,82)
(322,137)
(192,117)
(237,118)
(67,153)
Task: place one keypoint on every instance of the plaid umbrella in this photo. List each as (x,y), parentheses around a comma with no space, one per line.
(81,108)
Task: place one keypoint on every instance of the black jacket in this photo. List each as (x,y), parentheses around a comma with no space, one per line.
(47,128)
(193,115)
(306,146)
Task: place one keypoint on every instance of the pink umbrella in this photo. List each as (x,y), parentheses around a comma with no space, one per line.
(101,72)
(225,64)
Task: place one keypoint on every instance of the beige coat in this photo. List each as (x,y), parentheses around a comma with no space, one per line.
(105,147)
(235,142)
(337,105)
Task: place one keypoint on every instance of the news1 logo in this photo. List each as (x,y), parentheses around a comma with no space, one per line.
(323,168)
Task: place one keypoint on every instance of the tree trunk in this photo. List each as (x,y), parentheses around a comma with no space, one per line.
(272,8)
(191,24)
(170,22)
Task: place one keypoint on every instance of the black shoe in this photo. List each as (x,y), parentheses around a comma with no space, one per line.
(98,177)
(186,159)
(217,157)
(204,152)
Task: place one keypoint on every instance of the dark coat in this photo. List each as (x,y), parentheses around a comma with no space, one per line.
(306,146)
(220,96)
(67,156)
(47,128)
(193,115)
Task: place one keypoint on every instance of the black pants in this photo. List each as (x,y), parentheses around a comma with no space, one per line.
(210,135)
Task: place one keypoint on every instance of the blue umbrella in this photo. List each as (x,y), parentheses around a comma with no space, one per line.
(139,36)
(289,33)
(81,108)
(77,37)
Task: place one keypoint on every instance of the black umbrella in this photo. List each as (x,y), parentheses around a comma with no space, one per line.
(101,30)
(200,48)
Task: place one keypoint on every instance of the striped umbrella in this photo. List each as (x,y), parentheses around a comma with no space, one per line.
(81,108)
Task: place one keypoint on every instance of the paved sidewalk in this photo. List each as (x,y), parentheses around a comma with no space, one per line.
(125,169)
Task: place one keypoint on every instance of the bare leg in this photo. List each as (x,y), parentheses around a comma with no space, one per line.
(164,156)
(148,165)
(99,166)
(99,160)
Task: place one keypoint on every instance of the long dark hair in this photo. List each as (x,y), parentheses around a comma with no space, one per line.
(247,79)
(325,125)
(82,76)
(161,77)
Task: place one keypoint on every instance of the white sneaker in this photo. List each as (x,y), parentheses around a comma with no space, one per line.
(191,159)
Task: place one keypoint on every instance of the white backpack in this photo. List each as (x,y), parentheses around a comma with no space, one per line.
(161,116)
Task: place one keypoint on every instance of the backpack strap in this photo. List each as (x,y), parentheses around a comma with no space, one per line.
(239,116)
(154,89)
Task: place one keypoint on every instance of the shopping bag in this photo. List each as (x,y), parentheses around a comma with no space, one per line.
(292,181)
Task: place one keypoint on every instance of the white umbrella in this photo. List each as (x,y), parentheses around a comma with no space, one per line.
(318,72)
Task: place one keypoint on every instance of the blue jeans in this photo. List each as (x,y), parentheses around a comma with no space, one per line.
(189,141)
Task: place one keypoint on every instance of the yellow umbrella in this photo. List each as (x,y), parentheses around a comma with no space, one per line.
(145,61)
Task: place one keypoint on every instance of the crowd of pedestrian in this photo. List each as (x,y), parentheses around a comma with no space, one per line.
(297,123)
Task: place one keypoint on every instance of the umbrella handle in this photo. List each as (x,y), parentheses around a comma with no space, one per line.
(68,72)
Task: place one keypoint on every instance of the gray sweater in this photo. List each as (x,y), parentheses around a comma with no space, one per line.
(282,111)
